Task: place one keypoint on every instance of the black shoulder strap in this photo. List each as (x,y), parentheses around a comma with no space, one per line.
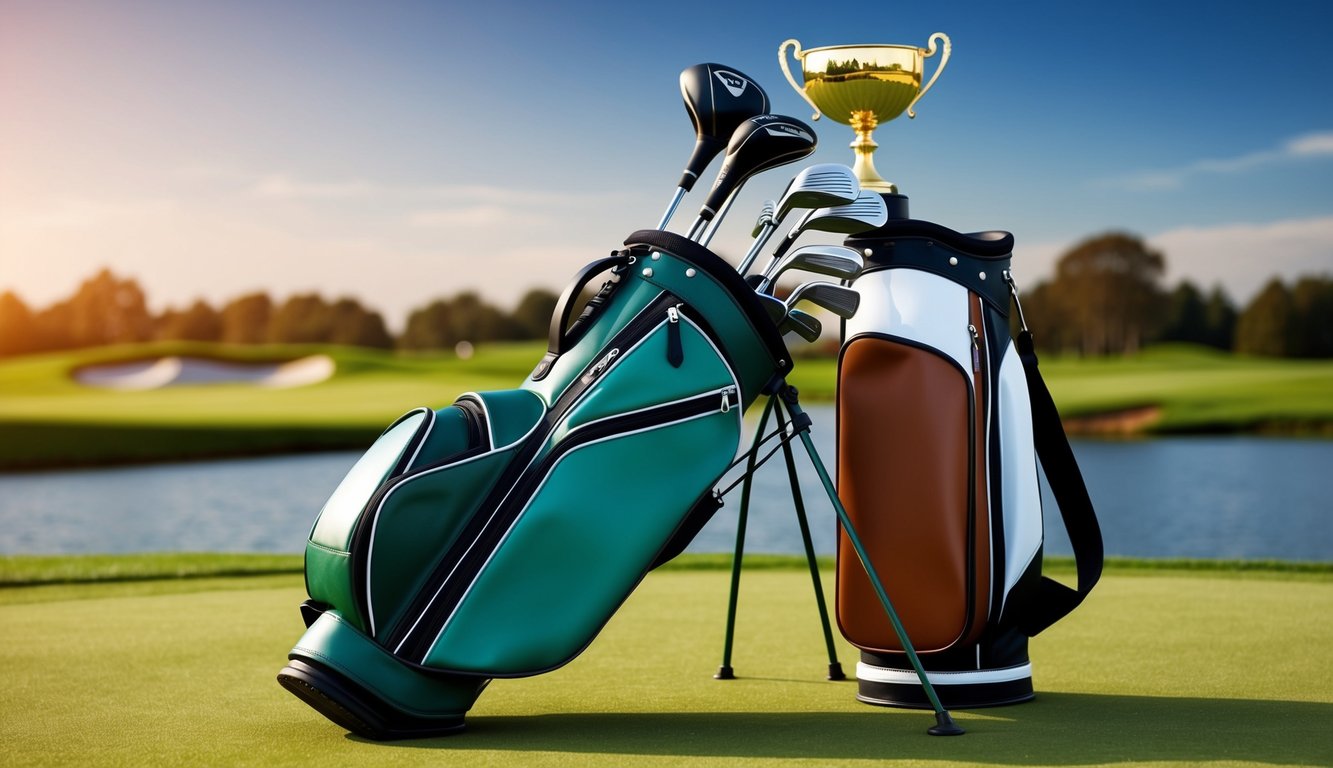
(1048,600)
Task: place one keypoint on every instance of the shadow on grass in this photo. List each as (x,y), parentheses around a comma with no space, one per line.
(1056,729)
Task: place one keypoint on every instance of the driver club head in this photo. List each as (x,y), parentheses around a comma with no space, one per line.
(718,99)
(830,260)
(841,301)
(803,324)
(758,144)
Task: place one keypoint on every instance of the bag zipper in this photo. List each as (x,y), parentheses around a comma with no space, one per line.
(437,618)
(634,331)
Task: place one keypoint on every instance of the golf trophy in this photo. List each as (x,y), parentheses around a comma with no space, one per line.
(863,86)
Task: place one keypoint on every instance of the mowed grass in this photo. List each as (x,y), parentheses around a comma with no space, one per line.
(1155,668)
(49,420)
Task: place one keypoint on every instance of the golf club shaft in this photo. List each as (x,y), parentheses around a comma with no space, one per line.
(671,209)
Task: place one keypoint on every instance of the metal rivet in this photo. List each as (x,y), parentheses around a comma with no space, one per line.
(656,256)
(690,272)
(868,253)
(647,271)
(982,275)
(953,261)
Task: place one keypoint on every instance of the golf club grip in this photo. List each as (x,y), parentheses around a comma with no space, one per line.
(561,335)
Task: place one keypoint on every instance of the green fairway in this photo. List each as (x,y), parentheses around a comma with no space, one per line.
(1181,668)
(49,420)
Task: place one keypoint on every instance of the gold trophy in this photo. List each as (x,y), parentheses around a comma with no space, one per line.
(863,86)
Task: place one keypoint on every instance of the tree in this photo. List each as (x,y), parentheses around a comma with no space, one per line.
(1220,318)
(104,310)
(532,316)
(18,327)
(472,319)
(1107,287)
(428,328)
(245,319)
(1268,325)
(1312,303)
(354,325)
(200,322)
(1051,329)
(304,318)
(1186,317)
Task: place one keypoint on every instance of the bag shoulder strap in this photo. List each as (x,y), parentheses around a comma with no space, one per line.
(1049,600)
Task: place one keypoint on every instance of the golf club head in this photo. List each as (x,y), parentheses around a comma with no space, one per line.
(863,214)
(765,218)
(803,324)
(819,186)
(775,308)
(831,260)
(758,144)
(841,301)
(718,99)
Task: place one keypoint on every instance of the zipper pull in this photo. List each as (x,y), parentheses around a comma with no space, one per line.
(675,349)
(976,347)
(601,366)
(726,399)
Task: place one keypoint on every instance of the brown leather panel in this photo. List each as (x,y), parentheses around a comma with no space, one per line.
(903,445)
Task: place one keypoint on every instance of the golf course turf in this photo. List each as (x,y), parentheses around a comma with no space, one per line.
(1176,667)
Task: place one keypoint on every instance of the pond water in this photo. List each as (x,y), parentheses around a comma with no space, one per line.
(1218,497)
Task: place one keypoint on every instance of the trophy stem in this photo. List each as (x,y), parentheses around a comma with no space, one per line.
(864,122)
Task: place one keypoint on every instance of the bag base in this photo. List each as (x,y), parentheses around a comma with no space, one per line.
(882,682)
(355,683)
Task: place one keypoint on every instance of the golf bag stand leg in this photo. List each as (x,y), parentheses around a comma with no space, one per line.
(725,670)
(944,724)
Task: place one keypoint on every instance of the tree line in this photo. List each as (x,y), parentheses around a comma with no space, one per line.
(1106,298)
(107,309)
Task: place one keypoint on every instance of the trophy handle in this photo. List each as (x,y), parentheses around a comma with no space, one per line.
(948,48)
(795,45)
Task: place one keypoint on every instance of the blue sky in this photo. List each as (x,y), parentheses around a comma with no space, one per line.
(403,151)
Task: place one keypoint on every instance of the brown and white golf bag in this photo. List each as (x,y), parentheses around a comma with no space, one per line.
(942,421)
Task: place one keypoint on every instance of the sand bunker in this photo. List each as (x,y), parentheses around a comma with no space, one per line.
(174,371)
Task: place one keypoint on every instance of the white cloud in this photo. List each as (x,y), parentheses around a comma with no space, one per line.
(283,187)
(1300,149)
(474,217)
(1242,257)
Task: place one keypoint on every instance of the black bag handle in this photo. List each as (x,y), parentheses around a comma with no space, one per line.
(560,336)
(1047,601)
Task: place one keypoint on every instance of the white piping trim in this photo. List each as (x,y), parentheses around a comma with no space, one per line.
(619,359)
(545,478)
(874,674)
(375,516)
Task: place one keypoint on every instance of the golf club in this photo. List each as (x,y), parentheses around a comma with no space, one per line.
(867,212)
(835,298)
(816,186)
(718,99)
(774,307)
(832,260)
(765,217)
(803,324)
(758,144)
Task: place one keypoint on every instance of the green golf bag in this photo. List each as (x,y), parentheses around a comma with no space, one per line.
(495,537)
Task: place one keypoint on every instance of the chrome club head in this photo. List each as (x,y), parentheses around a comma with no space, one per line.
(765,218)
(819,186)
(841,301)
(831,260)
(776,309)
(865,213)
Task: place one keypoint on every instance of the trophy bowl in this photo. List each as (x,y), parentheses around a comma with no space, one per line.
(863,86)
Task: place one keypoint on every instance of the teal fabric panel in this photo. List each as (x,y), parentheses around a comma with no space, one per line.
(416,523)
(328,580)
(578,550)
(643,377)
(512,414)
(333,529)
(628,299)
(334,642)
